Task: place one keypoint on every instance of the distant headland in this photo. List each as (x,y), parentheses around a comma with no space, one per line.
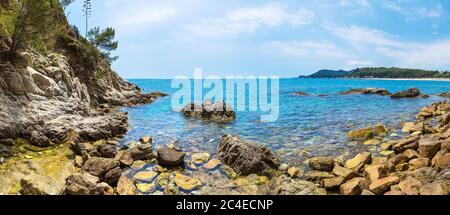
(381,73)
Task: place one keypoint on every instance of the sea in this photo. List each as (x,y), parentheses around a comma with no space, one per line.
(307,126)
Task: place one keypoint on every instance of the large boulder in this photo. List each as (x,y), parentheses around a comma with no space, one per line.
(244,157)
(218,112)
(141,152)
(322,163)
(429,146)
(36,184)
(361,134)
(170,157)
(86,184)
(99,166)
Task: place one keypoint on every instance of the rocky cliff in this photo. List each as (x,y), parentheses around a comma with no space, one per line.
(44,96)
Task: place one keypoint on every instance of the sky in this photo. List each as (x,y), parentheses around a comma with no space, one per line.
(285,38)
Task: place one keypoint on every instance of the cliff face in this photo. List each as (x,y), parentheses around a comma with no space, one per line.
(45,96)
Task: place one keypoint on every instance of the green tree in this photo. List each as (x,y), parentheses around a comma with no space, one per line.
(104,41)
(87,11)
(34,25)
(65,4)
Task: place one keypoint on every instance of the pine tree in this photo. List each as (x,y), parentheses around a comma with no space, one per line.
(103,40)
(87,11)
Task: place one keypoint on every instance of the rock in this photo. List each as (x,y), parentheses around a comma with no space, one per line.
(141,152)
(344,172)
(379,160)
(170,157)
(394,193)
(293,172)
(289,186)
(367,193)
(200,158)
(146,176)
(428,147)
(404,144)
(322,163)
(410,186)
(425,174)
(435,188)
(124,157)
(212,164)
(361,134)
(145,188)
(186,183)
(379,186)
(246,158)
(284,167)
(78,162)
(411,154)
(83,146)
(375,171)
(408,127)
(357,163)
(318,175)
(420,162)
(85,184)
(125,186)
(107,151)
(410,93)
(146,140)
(354,186)
(442,160)
(402,167)
(35,184)
(218,112)
(387,153)
(301,94)
(333,183)
(399,159)
(99,166)
(7,142)
(372,142)
(39,139)
(367,91)
(380,130)
(445,146)
(112,176)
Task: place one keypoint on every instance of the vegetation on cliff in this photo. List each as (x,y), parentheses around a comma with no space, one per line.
(379,72)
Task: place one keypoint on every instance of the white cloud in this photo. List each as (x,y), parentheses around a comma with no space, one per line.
(415,11)
(308,49)
(253,19)
(425,55)
(360,37)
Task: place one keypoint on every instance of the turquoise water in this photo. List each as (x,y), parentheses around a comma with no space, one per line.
(313,124)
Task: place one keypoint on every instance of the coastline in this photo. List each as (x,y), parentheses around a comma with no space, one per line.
(407,79)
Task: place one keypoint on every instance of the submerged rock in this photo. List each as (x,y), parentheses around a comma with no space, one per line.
(301,93)
(246,158)
(361,134)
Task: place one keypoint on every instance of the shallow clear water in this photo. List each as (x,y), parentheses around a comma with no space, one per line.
(318,124)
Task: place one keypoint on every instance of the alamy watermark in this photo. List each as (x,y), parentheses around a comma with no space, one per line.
(254,94)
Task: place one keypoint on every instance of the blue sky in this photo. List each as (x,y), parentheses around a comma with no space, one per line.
(167,38)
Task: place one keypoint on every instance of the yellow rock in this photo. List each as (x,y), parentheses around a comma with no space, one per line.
(186,183)
(364,134)
(200,158)
(145,175)
(408,127)
(28,157)
(372,142)
(145,188)
(293,172)
(380,130)
(387,153)
(212,164)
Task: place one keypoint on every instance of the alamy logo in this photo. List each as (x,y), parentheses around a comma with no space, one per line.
(254,94)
